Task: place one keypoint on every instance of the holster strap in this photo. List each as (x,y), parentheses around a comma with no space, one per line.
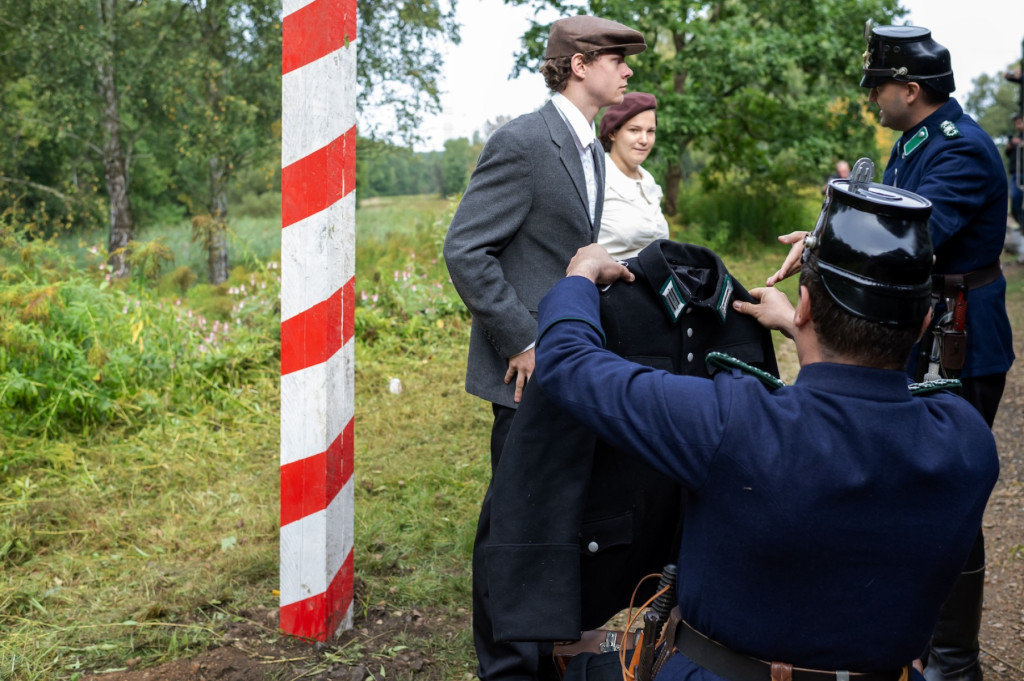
(735,666)
(946,283)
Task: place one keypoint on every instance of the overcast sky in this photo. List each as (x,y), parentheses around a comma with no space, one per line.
(983,36)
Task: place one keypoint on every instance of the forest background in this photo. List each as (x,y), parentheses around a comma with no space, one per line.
(139,283)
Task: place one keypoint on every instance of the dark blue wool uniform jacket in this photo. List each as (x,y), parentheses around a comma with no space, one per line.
(576,521)
(825,522)
(952,162)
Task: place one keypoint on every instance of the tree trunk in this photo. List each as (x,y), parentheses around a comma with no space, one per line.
(218,243)
(673,175)
(115,163)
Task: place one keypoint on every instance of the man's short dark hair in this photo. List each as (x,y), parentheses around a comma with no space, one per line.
(841,333)
(933,96)
(556,71)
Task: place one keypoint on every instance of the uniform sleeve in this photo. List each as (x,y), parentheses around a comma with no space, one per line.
(493,209)
(674,422)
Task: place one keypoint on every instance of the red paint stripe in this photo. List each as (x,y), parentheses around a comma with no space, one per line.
(314,335)
(318,616)
(310,484)
(318,180)
(319,28)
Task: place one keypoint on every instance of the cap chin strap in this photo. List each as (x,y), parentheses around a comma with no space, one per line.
(901,74)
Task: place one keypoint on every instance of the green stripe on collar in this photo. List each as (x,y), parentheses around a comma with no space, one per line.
(724,297)
(673,298)
(916,141)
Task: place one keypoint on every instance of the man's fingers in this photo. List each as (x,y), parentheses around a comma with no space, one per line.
(520,384)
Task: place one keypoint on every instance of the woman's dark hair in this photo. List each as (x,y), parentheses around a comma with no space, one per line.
(606,139)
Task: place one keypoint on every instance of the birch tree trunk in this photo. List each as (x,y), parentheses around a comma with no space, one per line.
(115,162)
(218,238)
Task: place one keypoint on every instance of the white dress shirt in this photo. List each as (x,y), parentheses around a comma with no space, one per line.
(583,133)
(632,216)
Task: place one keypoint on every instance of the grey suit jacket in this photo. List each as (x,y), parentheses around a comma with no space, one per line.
(522,218)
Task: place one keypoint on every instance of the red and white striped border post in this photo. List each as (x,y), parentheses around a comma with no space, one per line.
(318,140)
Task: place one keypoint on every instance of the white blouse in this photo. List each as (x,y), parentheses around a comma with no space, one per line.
(632,215)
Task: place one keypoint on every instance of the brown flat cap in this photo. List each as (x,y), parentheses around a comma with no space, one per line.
(632,104)
(587,34)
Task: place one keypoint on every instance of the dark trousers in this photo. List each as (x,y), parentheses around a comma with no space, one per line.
(954,648)
(512,661)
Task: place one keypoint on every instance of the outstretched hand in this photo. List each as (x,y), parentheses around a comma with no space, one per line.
(791,265)
(772,310)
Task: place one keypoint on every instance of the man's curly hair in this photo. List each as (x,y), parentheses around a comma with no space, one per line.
(556,71)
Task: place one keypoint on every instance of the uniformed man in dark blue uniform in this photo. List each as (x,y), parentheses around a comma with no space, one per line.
(946,157)
(826,520)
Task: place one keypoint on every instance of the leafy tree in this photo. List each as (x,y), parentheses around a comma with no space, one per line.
(81,74)
(456,163)
(223,98)
(399,61)
(993,101)
(765,90)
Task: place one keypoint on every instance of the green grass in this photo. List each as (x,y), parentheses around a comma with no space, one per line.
(141,537)
(251,242)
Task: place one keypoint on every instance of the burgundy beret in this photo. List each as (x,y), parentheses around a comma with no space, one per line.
(583,33)
(632,104)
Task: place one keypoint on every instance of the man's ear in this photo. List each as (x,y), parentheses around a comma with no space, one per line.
(802,315)
(913,92)
(925,323)
(578,66)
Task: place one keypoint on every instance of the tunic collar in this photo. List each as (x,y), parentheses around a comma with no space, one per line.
(888,385)
(915,138)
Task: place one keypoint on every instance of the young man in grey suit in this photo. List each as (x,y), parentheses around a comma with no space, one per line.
(534,199)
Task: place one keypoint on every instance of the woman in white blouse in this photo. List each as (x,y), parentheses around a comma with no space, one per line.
(632,215)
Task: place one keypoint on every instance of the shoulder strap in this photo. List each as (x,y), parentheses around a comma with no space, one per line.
(717,361)
(928,387)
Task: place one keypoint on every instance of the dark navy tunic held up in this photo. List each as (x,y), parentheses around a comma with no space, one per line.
(826,520)
(952,162)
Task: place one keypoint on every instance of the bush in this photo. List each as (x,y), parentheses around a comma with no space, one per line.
(79,350)
(731,217)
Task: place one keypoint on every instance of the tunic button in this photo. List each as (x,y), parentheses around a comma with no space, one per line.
(689,310)
(689,357)
(593,547)
(689,333)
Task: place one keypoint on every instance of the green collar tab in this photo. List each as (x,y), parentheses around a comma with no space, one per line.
(724,297)
(914,142)
(673,298)
(949,129)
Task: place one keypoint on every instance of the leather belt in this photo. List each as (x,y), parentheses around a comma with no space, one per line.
(972,280)
(735,666)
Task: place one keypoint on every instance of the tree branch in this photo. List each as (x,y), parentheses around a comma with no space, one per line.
(41,187)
